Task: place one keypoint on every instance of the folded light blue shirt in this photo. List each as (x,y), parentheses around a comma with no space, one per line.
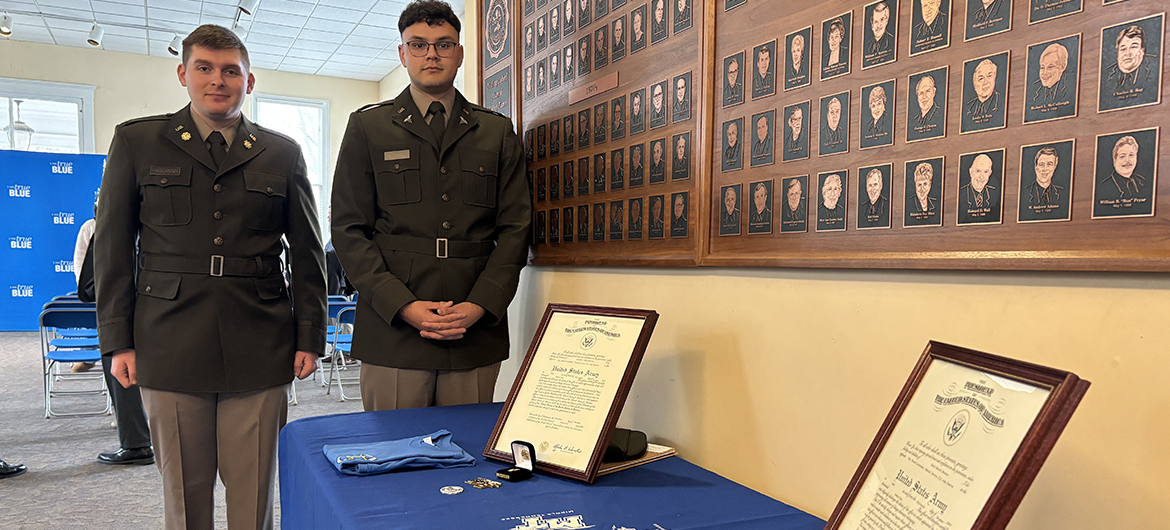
(431,450)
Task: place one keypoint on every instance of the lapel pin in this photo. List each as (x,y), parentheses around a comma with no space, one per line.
(185,136)
(400,109)
(408,118)
(462,121)
(247,144)
(179,128)
(252,136)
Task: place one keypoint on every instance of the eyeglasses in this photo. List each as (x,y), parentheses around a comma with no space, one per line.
(420,48)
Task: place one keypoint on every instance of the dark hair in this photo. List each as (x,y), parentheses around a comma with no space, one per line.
(213,37)
(433,12)
(1133,32)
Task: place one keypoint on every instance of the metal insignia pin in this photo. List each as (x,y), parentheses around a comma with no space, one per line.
(185,136)
(408,119)
(252,136)
(451,490)
(247,144)
(400,109)
(179,128)
(462,121)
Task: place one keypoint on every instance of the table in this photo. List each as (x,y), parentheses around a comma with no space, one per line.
(670,494)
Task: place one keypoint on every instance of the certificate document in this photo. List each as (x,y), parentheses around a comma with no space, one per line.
(959,431)
(564,401)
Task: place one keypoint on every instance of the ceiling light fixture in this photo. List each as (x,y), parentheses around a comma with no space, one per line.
(249,6)
(240,31)
(95,35)
(6,25)
(175,46)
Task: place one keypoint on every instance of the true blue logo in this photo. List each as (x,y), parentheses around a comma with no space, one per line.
(20,242)
(63,266)
(22,192)
(64,168)
(22,291)
(63,218)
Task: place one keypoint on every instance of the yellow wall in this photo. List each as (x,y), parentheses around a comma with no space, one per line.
(779,379)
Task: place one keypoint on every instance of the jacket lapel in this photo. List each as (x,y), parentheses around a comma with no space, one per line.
(182,132)
(410,118)
(247,144)
(461,121)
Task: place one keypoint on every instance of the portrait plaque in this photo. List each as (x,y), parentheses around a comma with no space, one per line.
(570,186)
(584,52)
(985,82)
(583,176)
(617,169)
(541,184)
(637,165)
(529,6)
(796,131)
(794,211)
(732,145)
(599,173)
(733,68)
(877,121)
(554,25)
(798,50)
(638,29)
(728,5)
(926,106)
(1052,79)
(568,65)
(682,15)
(1045,10)
(1046,176)
(1131,64)
(599,222)
(729,208)
(763,127)
(497,94)
(570,135)
(571,387)
(554,182)
(529,40)
(873,196)
(600,9)
(658,103)
(760,209)
(601,47)
(657,217)
(986,18)
(531,180)
(831,211)
(583,223)
(617,122)
(567,223)
(554,226)
(980,198)
(541,76)
(962,443)
(659,21)
(930,27)
(680,165)
(925,181)
(618,30)
(1126,174)
(541,3)
(634,229)
(637,111)
(880,41)
(680,104)
(541,221)
(529,82)
(658,161)
(541,142)
(834,137)
(554,70)
(599,121)
(570,23)
(679,214)
(764,70)
(497,32)
(554,138)
(1111,2)
(542,32)
(584,13)
(529,146)
(836,36)
(616,217)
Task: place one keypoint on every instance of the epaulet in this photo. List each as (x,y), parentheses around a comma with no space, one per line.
(266,130)
(158,117)
(485,109)
(376,105)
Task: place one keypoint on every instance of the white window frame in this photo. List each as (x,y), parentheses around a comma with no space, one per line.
(82,95)
(326,177)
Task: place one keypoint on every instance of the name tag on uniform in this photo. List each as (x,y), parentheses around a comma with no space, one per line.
(401,154)
(165,171)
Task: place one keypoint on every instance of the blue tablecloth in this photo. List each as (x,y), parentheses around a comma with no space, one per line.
(670,494)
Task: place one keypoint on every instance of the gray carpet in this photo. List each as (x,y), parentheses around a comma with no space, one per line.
(65,486)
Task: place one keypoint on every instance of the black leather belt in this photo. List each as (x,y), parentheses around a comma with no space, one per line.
(439,248)
(258,266)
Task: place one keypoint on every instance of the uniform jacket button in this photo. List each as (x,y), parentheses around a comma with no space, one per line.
(218,241)
(397,166)
(163,180)
(443,170)
(481,169)
(446,198)
(446,225)
(270,189)
(217,215)
(148,288)
(217,187)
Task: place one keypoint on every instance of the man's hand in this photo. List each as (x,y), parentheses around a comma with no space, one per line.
(305,364)
(440,320)
(124,367)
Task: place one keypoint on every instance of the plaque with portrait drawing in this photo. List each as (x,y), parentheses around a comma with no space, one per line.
(877,117)
(567,224)
(1131,64)
(601,47)
(570,135)
(599,173)
(529,82)
(583,176)
(529,145)
(541,184)
(617,169)
(796,131)
(658,113)
(638,29)
(980,198)
(874,184)
(583,223)
(797,62)
(554,136)
(925,181)
(541,76)
(733,79)
(541,32)
(634,211)
(637,165)
(680,163)
(927,105)
(584,48)
(657,219)
(554,182)
(985,82)
(1125,180)
(986,18)
(618,3)
(541,3)
(679,214)
(554,70)
(584,131)
(599,222)
(659,21)
(834,137)
(831,211)
(682,15)
(794,206)
(541,226)
(1052,79)
(584,13)
(554,226)
(880,40)
(1045,10)
(760,207)
(570,186)
(836,40)
(763,138)
(600,117)
(529,6)
(569,64)
(541,141)
(658,161)
(1046,177)
(569,26)
(600,9)
(498,91)
(764,70)
(728,5)
(732,151)
(554,25)
(617,120)
(498,27)
(637,111)
(616,217)
(680,104)
(930,26)
(529,40)
(729,208)
(618,46)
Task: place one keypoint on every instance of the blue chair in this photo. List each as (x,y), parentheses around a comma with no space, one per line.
(335,307)
(342,343)
(55,351)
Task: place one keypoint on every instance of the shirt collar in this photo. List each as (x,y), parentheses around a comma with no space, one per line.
(422,100)
(205,129)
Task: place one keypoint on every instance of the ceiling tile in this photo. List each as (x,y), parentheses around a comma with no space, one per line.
(254,47)
(367,42)
(297,69)
(366,30)
(320,24)
(302,63)
(217,10)
(363,5)
(283,19)
(111,21)
(338,14)
(115,43)
(66,12)
(308,54)
(388,7)
(369,77)
(43,38)
(18,6)
(270,40)
(189,6)
(26,26)
(66,37)
(101,6)
(56,23)
(359,51)
(286,6)
(123,31)
(306,44)
(323,36)
(169,15)
(274,29)
(345,61)
(218,21)
(76,5)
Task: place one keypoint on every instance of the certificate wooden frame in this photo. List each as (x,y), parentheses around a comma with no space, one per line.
(1065,391)
(597,439)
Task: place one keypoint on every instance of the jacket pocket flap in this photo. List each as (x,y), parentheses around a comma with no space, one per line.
(270,288)
(479,162)
(396,160)
(269,184)
(159,284)
(166,176)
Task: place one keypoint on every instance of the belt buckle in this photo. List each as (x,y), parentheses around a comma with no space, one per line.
(441,248)
(217,265)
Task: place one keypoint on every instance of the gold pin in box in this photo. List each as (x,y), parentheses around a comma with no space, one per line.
(524,455)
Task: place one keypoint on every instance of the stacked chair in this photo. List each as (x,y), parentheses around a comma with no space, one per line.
(69,335)
(341,315)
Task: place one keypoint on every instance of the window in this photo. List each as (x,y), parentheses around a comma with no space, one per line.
(307,122)
(46,117)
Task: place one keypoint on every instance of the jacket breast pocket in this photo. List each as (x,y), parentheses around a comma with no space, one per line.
(480,175)
(397,176)
(166,196)
(265,200)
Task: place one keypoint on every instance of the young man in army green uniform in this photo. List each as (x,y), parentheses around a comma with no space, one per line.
(208,329)
(431,217)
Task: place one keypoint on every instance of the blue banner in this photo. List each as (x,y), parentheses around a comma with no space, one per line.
(44,200)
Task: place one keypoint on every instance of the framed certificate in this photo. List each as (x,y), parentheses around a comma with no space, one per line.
(962,443)
(572,386)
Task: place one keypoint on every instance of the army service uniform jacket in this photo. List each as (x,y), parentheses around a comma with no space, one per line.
(416,220)
(210,311)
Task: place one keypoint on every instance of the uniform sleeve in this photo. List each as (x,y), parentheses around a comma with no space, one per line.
(354,212)
(114,247)
(307,257)
(496,285)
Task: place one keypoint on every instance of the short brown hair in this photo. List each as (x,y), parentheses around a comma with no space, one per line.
(213,37)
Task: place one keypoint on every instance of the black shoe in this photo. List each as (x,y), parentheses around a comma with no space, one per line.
(140,456)
(11,470)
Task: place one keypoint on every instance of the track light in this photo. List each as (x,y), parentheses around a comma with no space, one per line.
(6,25)
(175,46)
(248,6)
(240,31)
(95,35)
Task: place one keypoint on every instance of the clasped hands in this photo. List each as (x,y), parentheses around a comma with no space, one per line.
(441,320)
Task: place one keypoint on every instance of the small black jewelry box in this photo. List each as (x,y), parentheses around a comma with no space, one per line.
(524,455)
